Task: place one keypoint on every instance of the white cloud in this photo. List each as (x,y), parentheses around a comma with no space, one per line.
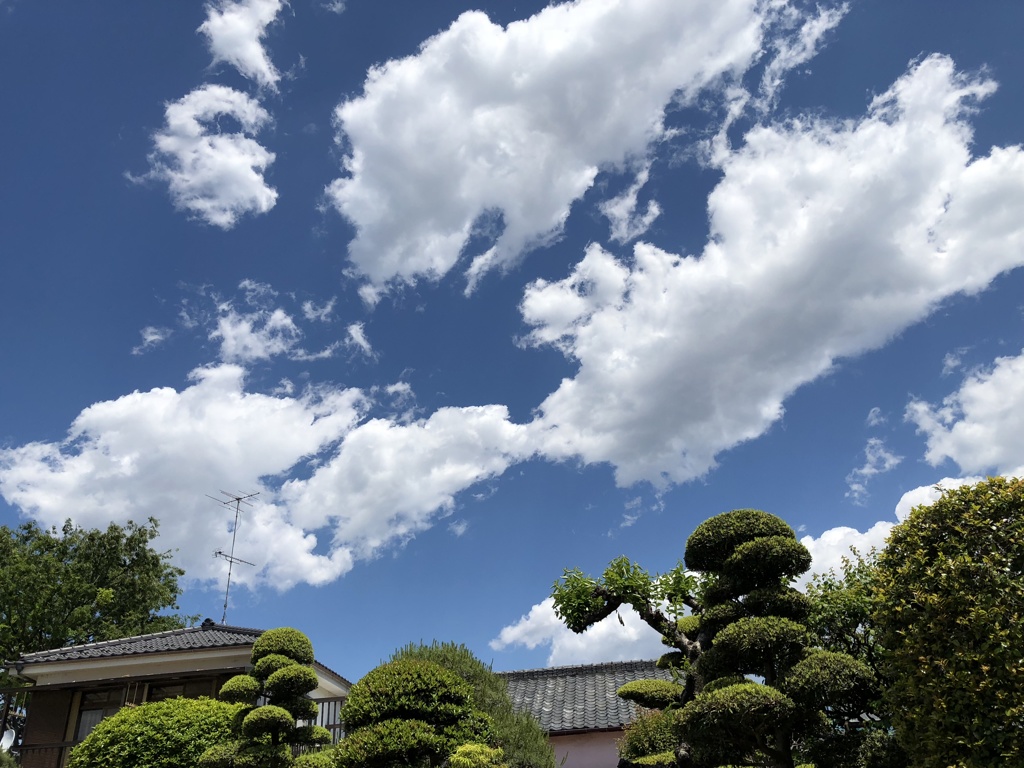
(875,417)
(827,239)
(608,640)
(791,51)
(458,527)
(235,30)
(389,481)
(151,337)
(877,460)
(980,426)
(334,6)
(518,122)
(216,176)
(357,338)
(157,453)
(952,361)
(926,494)
(829,549)
(322,313)
(254,336)
(626,223)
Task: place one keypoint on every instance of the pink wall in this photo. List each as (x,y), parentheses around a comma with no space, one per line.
(587,750)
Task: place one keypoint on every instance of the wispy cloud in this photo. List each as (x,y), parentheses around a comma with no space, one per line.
(877,460)
(151,337)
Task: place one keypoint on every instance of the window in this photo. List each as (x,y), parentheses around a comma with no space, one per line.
(95,706)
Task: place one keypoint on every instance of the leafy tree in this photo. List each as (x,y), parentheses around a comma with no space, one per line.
(745,623)
(164,734)
(265,736)
(409,713)
(523,742)
(80,585)
(841,620)
(950,611)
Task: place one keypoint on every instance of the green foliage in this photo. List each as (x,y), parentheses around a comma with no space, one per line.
(746,620)
(240,689)
(950,611)
(165,734)
(727,725)
(477,756)
(80,585)
(652,694)
(651,733)
(840,609)
(269,664)
(715,540)
(323,759)
(284,641)
(525,744)
(7,760)
(262,737)
(289,682)
(407,689)
(391,744)
(268,720)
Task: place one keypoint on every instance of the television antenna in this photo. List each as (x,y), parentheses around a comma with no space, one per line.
(235,500)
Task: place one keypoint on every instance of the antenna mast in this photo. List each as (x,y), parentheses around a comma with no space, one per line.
(235,500)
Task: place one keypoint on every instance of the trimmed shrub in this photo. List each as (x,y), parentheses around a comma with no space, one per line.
(322,759)
(652,694)
(269,664)
(290,682)
(766,562)
(714,540)
(390,744)
(284,641)
(240,689)
(474,755)
(651,733)
(164,734)
(722,724)
(267,721)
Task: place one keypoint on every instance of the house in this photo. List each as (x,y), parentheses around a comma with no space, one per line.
(73,688)
(579,708)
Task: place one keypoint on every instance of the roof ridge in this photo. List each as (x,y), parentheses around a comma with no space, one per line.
(204,627)
(604,665)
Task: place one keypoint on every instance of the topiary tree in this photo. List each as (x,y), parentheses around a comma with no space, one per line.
(409,712)
(745,624)
(523,742)
(950,612)
(164,734)
(268,735)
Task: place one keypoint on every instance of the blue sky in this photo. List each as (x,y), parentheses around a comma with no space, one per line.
(470,293)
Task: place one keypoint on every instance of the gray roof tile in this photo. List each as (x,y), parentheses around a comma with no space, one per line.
(208,635)
(579,698)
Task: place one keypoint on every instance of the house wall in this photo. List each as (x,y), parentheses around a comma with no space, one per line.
(598,749)
(47,724)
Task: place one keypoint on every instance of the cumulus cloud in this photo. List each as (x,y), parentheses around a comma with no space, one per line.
(517,122)
(981,425)
(157,453)
(334,487)
(792,51)
(827,239)
(877,460)
(608,640)
(389,481)
(235,29)
(829,549)
(216,176)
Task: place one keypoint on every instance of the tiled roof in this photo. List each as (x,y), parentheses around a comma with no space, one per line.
(580,698)
(208,635)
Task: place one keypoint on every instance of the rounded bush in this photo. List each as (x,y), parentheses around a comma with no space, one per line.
(652,694)
(292,681)
(407,689)
(716,617)
(311,736)
(784,602)
(766,561)
(240,689)
(269,664)
(671,660)
(267,721)
(755,645)
(714,540)
(300,707)
(689,626)
(285,641)
(220,755)
(262,756)
(827,679)
(651,733)
(722,725)
(475,755)
(164,734)
(322,759)
(389,743)
(724,682)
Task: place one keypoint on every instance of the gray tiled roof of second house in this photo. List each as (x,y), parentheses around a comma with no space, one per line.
(579,698)
(207,635)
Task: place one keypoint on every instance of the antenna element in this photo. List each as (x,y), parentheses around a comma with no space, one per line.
(235,500)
